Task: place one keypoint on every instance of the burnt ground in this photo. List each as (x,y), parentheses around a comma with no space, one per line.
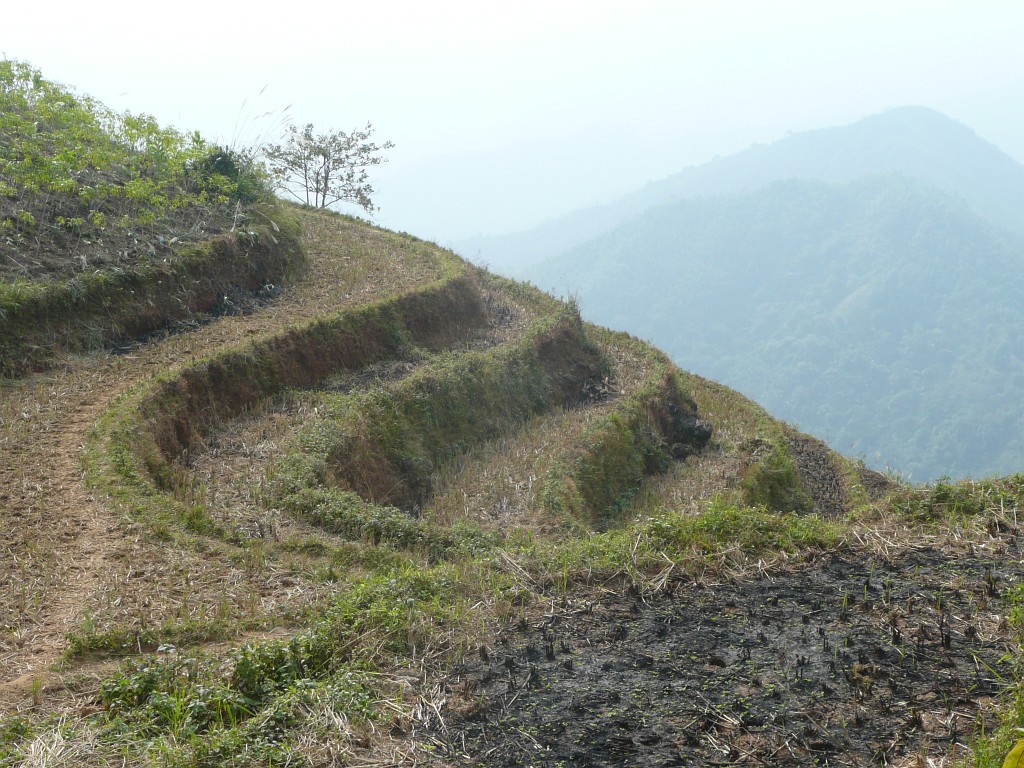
(844,660)
(824,480)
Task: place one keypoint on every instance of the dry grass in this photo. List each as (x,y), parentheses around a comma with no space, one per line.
(497,484)
(54,750)
(718,471)
(231,474)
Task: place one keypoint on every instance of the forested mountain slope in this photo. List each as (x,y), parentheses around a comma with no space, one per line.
(881,314)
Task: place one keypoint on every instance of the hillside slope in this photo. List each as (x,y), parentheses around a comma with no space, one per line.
(112,226)
(395,510)
(407,508)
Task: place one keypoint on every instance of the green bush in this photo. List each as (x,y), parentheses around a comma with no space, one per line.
(773,482)
(946,499)
(231,173)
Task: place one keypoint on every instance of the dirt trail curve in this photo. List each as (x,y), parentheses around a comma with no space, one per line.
(59,544)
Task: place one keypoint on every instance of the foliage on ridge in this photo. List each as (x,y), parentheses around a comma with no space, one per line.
(83,186)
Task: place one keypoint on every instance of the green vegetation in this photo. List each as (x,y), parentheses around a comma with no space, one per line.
(134,453)
(720,534)
(404,589)
(123,641)
(407,593)
(956,503)
(72,171)
(386,443)
(773,482)
(595,480)
(268,701)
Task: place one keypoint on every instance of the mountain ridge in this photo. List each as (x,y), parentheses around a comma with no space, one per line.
(916,141)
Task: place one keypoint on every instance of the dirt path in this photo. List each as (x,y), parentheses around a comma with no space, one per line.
(60,547)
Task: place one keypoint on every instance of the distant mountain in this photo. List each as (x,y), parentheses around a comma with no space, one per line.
(913,141)
(883,314)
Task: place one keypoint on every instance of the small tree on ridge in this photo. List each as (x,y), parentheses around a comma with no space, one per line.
(326,168)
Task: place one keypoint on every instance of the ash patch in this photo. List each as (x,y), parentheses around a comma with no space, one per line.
(843,663)
(820,476)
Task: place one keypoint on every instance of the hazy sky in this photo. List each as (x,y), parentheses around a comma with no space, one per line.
(506,114)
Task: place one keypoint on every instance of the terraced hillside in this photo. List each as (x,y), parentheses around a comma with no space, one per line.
(405,512)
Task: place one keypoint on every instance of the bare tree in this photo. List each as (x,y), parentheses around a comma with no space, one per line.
(327,168)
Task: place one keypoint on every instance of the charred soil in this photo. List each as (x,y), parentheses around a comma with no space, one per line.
(840,659)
